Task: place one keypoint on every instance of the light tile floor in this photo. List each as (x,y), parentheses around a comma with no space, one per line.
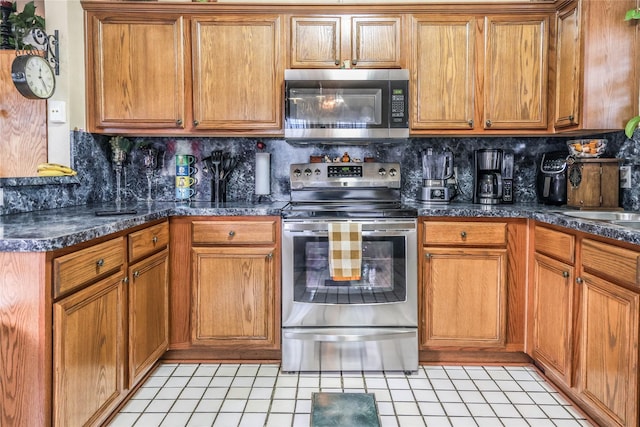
(254,395)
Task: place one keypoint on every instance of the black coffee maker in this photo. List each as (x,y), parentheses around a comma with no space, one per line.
(493,177)
(551,180)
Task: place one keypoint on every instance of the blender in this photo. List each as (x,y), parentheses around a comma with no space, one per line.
(437,168)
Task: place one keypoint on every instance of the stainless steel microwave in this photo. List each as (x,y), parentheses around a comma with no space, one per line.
(346,104)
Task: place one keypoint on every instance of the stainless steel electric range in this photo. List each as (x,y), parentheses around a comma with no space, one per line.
(369,322)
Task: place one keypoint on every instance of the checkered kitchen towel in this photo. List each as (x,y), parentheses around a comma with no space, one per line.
(345,250)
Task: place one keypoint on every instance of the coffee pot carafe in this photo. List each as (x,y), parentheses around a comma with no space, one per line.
(491,169)
(437,169)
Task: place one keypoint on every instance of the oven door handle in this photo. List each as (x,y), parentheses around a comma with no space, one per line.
(361,335)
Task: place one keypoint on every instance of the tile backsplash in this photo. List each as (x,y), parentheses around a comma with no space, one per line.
(95,181)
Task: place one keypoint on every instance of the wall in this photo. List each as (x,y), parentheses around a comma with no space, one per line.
(95,182)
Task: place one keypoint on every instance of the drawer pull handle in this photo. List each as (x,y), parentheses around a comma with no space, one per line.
(232,233)
(155,239)
(565,274)
(100,262)
(463,235)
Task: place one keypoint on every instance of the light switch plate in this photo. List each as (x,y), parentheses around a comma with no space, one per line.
(625,176)
(57,112)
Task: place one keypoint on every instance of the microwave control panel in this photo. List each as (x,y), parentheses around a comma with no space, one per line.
(399,104)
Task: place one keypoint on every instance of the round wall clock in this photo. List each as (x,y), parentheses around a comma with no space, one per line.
(33,76)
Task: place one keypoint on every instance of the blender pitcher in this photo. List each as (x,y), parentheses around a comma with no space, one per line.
(437,168)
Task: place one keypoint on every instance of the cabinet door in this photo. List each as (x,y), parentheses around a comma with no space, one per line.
(237,72)
(135,72)
(443,76)
(234,297)
(88,353)
(316,42)
(515,76)
(552,315)
(23,126)
(148,313)
(465,291)
(568,67)
(609,356)
(376,42)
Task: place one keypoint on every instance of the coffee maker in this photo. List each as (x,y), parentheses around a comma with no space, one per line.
(493,177)
(437,168)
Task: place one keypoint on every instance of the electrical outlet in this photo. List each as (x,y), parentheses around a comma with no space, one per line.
(625,176)
(57,112)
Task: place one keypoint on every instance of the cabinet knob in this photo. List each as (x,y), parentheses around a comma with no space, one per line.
(565,274)
(270,255)
(571,118)
(232,233)
(125,280)
(470,122)
(179,122)
(427,255)
(488,123)
(155,239)
(100,262)
(337,62)
(579,280)
(463,235)
(196,123)
(136,274)
(354,61)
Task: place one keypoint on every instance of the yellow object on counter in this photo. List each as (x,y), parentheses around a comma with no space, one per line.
(55,169)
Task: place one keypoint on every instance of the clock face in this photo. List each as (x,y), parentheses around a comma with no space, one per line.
(33,76)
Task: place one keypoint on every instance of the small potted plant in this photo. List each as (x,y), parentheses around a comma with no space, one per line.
(17,27)
(633,122)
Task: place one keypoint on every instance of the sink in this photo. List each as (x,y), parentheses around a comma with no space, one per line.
(605,215)
(630,224)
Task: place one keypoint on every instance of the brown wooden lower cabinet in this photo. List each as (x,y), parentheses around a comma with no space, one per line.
(88,353)
(471,290)
(226,289)
(148,313)
(585,322)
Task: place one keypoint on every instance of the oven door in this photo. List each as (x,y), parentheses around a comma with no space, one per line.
(385,296)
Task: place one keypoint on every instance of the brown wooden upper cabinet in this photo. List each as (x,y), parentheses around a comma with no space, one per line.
(138,84)
(595,66)
(135,71)
(346,41)
(479,74)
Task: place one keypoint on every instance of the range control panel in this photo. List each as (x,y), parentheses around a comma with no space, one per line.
(332,175)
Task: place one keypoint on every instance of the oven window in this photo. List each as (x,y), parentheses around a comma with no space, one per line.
(383,272)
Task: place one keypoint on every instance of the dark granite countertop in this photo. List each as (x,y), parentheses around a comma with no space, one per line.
(58,228)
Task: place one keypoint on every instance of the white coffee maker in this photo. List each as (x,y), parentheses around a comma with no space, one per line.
(437,168)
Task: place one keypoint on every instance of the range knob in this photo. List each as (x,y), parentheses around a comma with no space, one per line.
(382,171)
(307,172)
(317,171)
(393,172)
(296,172)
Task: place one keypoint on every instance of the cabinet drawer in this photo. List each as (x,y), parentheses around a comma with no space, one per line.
(233,232)
(86,265)
(617,263)
(555,244)
(465,233)
(148,241)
